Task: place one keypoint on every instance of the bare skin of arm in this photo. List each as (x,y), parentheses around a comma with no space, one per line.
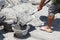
(41,4)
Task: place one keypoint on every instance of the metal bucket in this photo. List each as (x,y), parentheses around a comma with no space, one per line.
(19,32)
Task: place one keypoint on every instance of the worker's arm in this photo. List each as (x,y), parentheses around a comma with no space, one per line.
(41,4)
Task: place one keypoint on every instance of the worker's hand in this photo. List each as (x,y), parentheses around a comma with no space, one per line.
(39,7)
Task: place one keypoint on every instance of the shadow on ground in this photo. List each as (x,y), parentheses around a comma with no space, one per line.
(32,28)
(23,37)
(43,19)
(1,34)
(56,23)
